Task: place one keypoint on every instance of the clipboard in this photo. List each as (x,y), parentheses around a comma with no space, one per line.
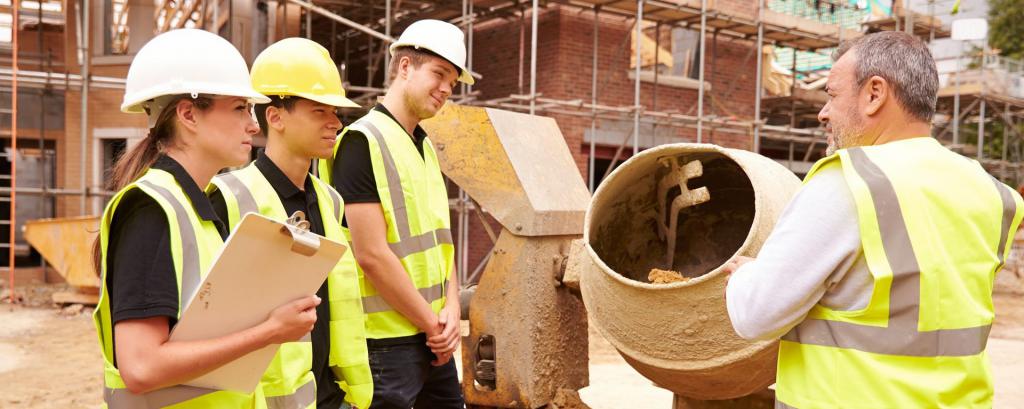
(264,264)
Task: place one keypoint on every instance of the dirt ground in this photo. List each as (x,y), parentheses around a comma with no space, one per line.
(52,360)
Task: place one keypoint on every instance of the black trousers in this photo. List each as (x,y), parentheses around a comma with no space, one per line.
(403,377)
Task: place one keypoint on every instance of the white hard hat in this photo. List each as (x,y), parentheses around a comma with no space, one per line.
(441,38)
(187,61)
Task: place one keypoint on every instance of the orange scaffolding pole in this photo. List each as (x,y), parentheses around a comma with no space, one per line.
(16,4)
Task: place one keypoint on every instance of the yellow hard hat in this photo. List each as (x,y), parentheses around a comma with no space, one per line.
(299,67)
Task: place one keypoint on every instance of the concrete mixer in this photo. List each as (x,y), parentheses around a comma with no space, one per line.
(678,210)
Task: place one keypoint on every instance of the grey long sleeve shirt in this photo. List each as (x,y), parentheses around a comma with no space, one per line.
(812,256)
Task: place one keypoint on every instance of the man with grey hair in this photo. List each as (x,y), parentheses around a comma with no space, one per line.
(878,275)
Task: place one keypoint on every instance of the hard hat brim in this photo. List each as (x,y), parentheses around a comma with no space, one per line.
(332,100)
(134,105)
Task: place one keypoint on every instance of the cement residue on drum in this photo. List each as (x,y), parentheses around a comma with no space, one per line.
(659,276)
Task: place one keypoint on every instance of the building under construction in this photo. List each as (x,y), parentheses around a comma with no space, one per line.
(619,76)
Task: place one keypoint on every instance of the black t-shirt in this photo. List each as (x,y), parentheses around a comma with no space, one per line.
(140,275)
(329,395)
(352,173)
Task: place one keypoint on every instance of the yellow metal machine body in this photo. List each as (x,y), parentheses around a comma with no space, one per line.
(67,245)
(528,332)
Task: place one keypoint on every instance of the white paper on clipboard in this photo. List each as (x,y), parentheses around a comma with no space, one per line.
(264,264)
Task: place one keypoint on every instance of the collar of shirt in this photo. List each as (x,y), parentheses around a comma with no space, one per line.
(282,185)
(200,202)
(418,134)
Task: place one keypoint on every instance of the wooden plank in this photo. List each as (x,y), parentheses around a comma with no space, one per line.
(69,297)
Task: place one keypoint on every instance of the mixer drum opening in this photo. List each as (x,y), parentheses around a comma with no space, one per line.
(625,229)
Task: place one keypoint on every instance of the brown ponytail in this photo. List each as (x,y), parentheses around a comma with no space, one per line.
(134,163)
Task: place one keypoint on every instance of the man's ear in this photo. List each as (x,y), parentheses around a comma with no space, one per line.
(404,65)
(274,118)
(876,92)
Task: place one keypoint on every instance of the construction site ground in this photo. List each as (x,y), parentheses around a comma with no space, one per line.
(49,358)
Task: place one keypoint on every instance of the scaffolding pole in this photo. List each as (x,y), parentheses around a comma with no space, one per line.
(956,97)
(757,79)
(13,157)
(981,109)
(84,120)
(533,57)
(703,54)
(593,102)
(636,87)
(981,129)
(388,16)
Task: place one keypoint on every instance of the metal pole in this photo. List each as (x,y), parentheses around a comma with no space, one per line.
(981,130)
(522,46)
(636,89)
(1006,137)
(593,104)
(533,58)
(84,120)
(654,89)
(981,114)
(657,53)
(469,53)
(700,91)
(309,24)
(465,33)
(757,77)
(231,17)
(369,55)
(956,97)
(463,232)
(792,93)
(909,16)
(42,110)
(216,17)
(334,40)
(387,53)
(13,156)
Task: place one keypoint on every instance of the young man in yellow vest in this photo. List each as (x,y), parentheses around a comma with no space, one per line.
(300,124)
(396,209)
(878,276)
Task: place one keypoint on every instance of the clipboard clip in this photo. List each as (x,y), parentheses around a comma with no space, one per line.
(303,241)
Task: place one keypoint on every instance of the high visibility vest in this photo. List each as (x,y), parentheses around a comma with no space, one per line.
(247,190)
(194,242)
(935,228)
(414,200)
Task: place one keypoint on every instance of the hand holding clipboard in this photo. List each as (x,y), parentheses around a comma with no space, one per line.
(264,264)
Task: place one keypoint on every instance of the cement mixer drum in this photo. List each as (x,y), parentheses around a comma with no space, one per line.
(685,208)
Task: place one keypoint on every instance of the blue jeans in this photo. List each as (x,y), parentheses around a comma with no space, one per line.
(403,377)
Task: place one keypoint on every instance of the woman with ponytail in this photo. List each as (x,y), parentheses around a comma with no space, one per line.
(159,233)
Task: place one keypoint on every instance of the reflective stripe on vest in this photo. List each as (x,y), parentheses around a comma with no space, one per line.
(782,405)
(303,397)
(123,399)
(901,336)
(407,243)
(157,184)
(247,190)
